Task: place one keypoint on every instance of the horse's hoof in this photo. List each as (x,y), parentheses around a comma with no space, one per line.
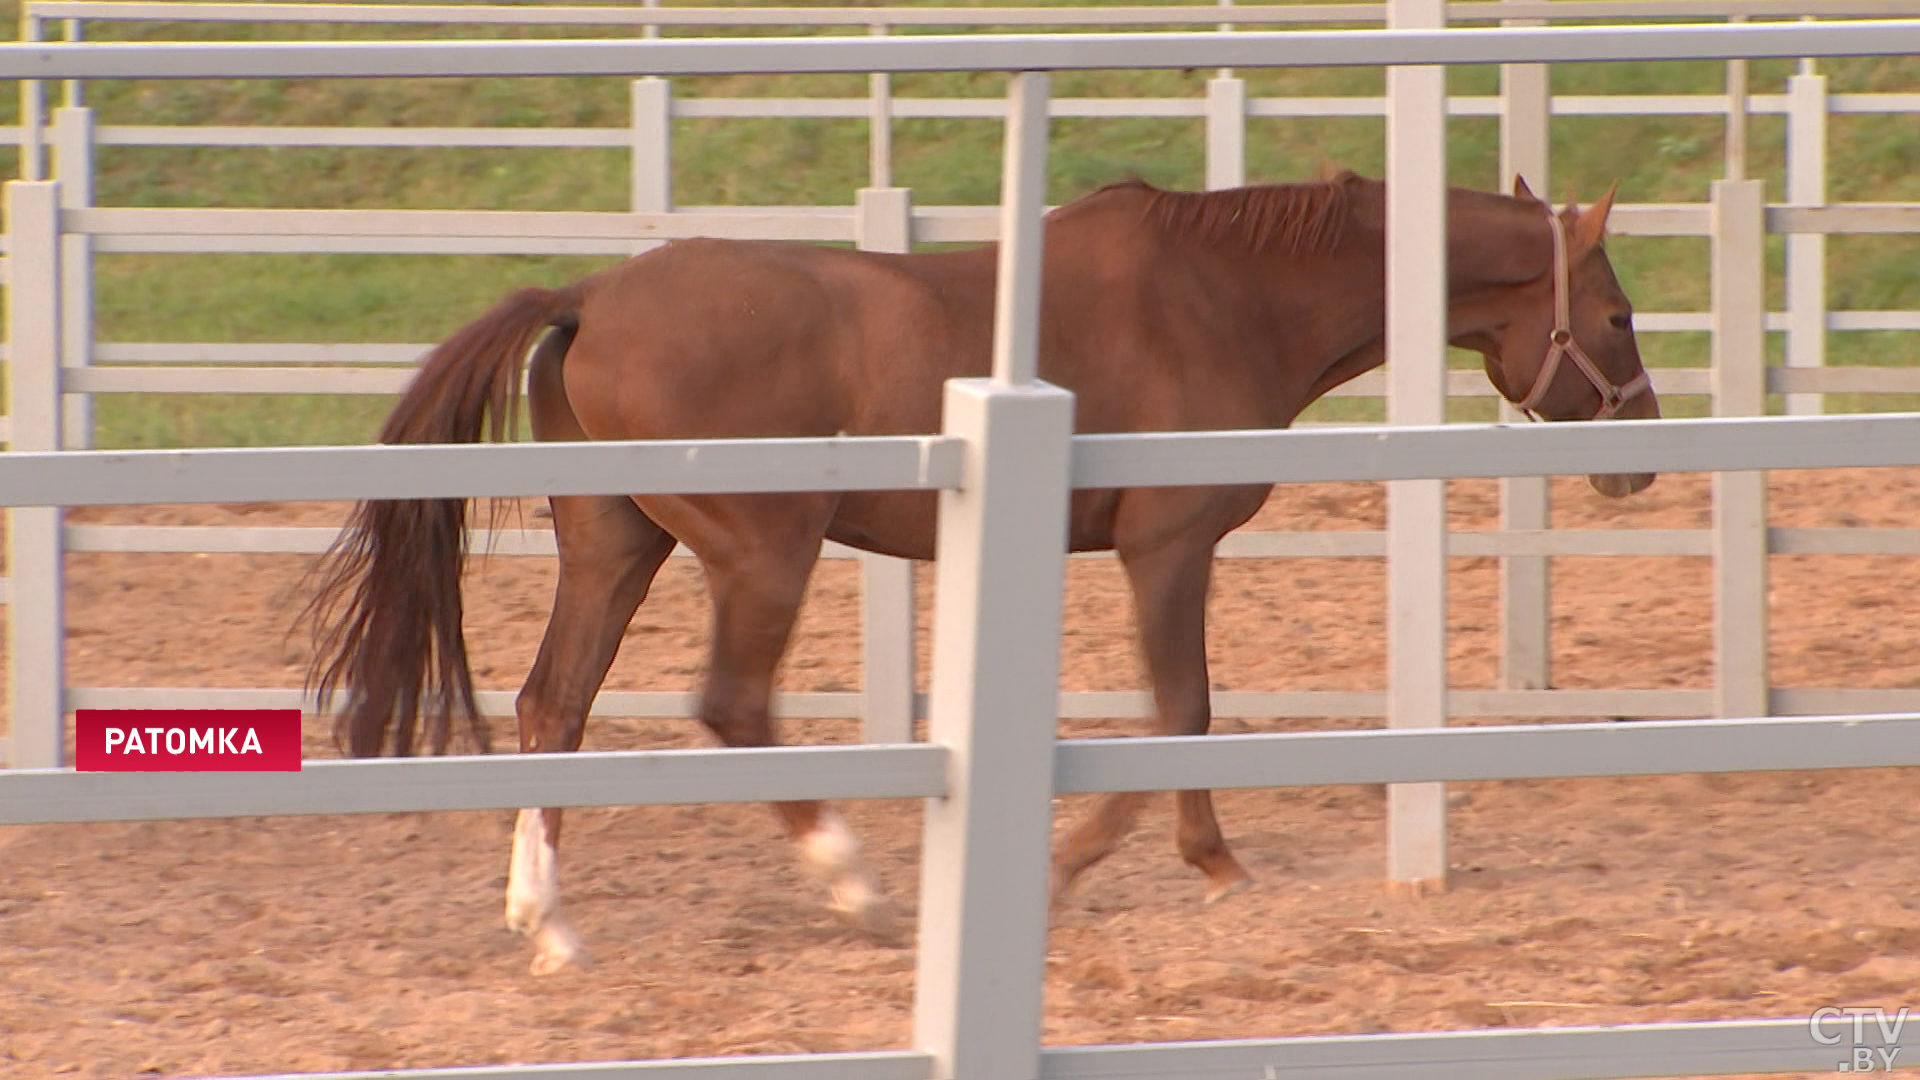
(1219,891)
(557,948)
(553,963)
(868,912)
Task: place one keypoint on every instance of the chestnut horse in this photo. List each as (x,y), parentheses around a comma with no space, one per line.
(1161,311)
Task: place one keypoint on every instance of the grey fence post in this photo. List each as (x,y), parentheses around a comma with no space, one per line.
(1416,394)
(1740,498)
(1736,142)
(73,144)
(888,647)
(36,628)
(1526,581)
(652,153)
(996,668)
(33,108)
(1226,132)
(1806,252)
(879,123)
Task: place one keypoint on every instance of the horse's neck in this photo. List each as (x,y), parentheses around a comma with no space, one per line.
(1491,244)
(1333,312)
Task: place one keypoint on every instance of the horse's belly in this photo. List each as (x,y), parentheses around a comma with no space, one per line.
(897,523)
(904,523)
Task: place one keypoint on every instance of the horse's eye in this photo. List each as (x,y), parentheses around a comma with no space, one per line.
(1622,321)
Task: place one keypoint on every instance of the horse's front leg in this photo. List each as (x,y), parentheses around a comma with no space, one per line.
(1170,579)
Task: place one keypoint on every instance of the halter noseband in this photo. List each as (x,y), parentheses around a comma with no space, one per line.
(1561,344)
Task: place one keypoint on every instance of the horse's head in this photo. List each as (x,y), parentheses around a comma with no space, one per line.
(1565,348)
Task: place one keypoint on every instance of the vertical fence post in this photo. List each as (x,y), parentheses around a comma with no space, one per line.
(652,151)
(33,103)
(888,654)
(1416,394)
(1526,583)
(36,627)
(70,89)
(73,166)
(1740,498)
(1806,252)
(1226,132)
(1736,147)
(879,123)
(1000,571)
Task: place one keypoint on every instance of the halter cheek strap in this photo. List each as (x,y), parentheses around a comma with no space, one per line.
(1561,344)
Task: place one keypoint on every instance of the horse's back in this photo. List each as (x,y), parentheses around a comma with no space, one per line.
(719,338)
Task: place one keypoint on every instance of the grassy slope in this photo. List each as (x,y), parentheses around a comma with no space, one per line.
(420,298)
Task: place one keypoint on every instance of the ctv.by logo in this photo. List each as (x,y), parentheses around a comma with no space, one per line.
(1828,1026)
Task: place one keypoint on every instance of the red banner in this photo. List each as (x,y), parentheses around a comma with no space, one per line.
(187,740)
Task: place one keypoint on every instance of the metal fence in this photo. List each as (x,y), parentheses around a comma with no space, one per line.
(1004,465)
(884,218)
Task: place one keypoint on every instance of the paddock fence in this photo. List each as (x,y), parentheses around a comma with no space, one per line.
(1004,465)
(64,144)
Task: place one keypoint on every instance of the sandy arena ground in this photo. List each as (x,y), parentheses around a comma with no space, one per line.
(265,945)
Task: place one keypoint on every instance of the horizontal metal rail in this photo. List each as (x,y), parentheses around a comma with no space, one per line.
(1074,705)
(985,52)
(870,1065)
(437,232)
(248,377)
(1590,1053)
(123,229)
(485,782)
(631,704)
(171,367)
(294,474)
(100,478)
(1164,15)
(916,108)
(267,352)
(1100,704)
(1521,752)
(1495,450)
(1307,544)
(662,777)
(911,108)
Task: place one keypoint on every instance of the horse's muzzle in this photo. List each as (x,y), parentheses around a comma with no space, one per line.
(1643,406)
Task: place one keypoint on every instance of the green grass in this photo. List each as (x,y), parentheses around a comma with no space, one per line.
(751,162)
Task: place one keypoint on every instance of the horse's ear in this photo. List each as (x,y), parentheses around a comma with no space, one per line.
(1591,227)
(1521,190)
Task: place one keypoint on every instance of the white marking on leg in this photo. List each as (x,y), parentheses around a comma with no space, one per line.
(533,882)
(833,853)
(533,896)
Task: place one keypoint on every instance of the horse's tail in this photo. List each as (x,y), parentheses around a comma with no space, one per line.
(386,611)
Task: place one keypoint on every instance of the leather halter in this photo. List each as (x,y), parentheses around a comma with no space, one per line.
(1561,344)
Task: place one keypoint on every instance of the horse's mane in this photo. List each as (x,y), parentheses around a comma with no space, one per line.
(1300,218)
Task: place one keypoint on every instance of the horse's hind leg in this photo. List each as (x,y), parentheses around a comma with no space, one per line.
(756,598)
(609,554)
(1170,599)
